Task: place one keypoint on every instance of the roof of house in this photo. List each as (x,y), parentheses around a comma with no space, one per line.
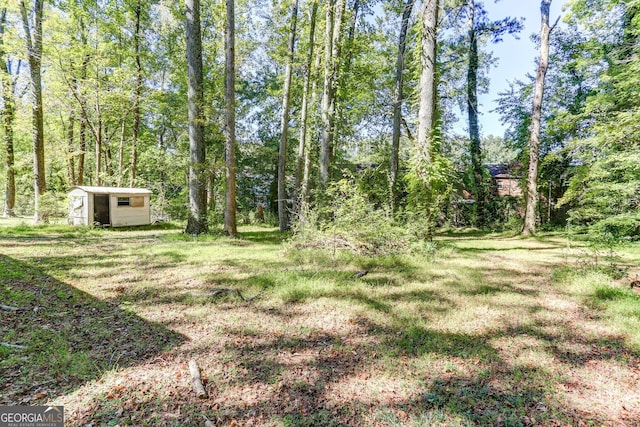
(501,171)
(112,190)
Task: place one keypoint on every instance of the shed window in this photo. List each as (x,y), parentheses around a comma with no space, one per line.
(134,201)
(124,201)
(500,185)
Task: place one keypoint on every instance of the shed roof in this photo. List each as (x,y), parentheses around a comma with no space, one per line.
(112,190)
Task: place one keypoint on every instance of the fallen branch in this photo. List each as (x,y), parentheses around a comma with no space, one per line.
(215,292)
(196,380)
(8,308)
(219,291)
(253,297)
(19,347)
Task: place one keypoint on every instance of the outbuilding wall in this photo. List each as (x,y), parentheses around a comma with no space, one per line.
(124,216)
(127,207)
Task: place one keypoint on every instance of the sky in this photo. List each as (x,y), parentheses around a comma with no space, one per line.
(516,58)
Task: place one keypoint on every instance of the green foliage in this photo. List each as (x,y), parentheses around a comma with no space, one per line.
(347,219)
(429,186)
(620,227)
(503,213)
(603,193)
(53,205)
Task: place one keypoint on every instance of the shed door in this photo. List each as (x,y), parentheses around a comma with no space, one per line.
(101,209)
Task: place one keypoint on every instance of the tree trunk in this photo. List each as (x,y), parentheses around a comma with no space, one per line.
(529,227)
(345,57)
(123,135)
(83,107)
(428,82)
(335,11)
(82,147)
(197,221)
(230,226)
(8,120)
(98,138)
(304,140)
(472,112)
(33,39)
(71,141)
(398,99)
(136,100)
(284,124)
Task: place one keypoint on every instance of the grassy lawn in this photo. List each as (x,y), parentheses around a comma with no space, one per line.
(489,330)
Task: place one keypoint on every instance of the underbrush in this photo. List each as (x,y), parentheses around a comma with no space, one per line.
(348,221)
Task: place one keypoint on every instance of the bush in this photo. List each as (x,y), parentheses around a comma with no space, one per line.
(619,227)
(52,205)
(348,220)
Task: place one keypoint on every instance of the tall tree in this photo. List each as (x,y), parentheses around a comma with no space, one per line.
(529,227)
(8,120)
(284,123)
(480,26)
(427,120)
(137,37)
(472,112)
(398,97)
(230,226)
(197,222)
(333,30)
(304,145)
(33,40)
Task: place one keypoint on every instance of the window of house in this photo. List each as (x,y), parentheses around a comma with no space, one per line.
(499,185)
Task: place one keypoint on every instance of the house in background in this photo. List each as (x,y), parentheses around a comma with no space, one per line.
(109,206)
(505,181)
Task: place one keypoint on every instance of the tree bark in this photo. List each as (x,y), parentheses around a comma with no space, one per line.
(33,40)
(123,136)
(304,145)
(398,99)
(475,149)
(230,226)
(428,83)
(98,137)
(137,97)
(83,106)
(284,124)
(529,227)
(71,142)
(8,120)
(335,11)
(197,221)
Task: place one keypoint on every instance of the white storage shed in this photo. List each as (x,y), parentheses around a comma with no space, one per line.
(109,206)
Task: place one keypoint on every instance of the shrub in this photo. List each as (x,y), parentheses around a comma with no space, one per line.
(619,227)
(346,219)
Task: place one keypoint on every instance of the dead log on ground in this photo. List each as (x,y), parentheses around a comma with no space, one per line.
(8,308)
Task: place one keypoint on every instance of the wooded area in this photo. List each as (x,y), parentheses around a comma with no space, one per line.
(227,108)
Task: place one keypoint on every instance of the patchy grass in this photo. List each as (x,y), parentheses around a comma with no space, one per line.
(486,330)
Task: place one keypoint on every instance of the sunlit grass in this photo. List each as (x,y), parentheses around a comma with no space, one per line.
(485,330)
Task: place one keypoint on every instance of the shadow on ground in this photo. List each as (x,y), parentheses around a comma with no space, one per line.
(66,336)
